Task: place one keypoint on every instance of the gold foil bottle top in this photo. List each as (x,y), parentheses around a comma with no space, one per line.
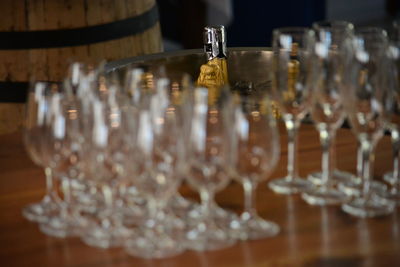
(213,74)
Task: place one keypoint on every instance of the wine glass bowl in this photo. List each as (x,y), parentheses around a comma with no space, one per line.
(256,152)
(36,128)
(292,49)
(157,175)
(365,98)
(393,177)
(335,32)
(326,77)
(208,165)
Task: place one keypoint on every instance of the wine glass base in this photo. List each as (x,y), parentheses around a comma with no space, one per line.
(389,178)
(254,228)
(38,212)
(354,188)
(54,231)
(202,238)
(179,202)
(105,237)
(224,231)
(337,177)
(391,195)
(157,247)
(220,232)
(290,186)
(58,227)
(370,208)
(322,197)
(227,220)
(224,219)
(184,208)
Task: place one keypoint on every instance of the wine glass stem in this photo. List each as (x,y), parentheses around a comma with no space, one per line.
(156,214)
(154,209)
(107,191)
(207,200)
(66,204)
(367,163)
(249,198)
(292,129)
(326,138)
(396,158)
(50,192)
(359,161)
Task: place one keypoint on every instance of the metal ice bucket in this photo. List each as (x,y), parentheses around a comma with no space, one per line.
(249,64)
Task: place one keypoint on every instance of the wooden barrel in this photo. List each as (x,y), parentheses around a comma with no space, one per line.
(41,37)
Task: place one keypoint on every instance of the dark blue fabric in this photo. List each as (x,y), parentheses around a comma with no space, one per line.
(254,20)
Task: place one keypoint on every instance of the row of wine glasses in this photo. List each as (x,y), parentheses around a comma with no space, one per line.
(116,152)
(331,72)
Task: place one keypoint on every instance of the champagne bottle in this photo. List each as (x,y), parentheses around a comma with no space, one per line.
(214,74)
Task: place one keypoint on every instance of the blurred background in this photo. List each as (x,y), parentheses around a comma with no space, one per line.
(41,38)
(250,22)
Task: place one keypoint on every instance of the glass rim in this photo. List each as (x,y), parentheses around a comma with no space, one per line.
(293,30)
(371,30)
(47,85)
(325,24)
(373,35)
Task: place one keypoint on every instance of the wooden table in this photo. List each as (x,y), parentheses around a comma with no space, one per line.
(310,235)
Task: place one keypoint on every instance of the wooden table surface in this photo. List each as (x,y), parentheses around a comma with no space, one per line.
(310,235)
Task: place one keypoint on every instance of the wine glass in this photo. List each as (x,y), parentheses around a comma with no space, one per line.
(393,177)
(105,154)
(138,81)
(340,28)
(180,86)
(354,187)
(325,80)
(365,97)
(78,87)
(256,152)
(395,46)
(36,127)
(208,164)
(159,154)
(292,53)
(61,149)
